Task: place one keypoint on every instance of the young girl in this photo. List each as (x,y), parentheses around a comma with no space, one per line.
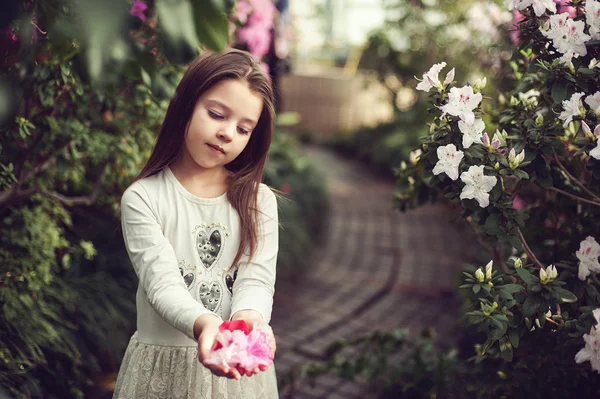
(201,231)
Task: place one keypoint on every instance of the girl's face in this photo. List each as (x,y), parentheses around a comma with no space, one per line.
(222,123)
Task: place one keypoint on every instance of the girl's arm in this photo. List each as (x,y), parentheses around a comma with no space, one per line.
(155,262)
(255,283)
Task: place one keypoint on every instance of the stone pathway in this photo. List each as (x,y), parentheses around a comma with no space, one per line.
(377,269)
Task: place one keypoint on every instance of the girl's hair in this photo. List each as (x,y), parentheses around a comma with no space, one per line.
(247,169)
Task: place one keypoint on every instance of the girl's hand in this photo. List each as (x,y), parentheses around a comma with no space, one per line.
(253,318)
(206,329)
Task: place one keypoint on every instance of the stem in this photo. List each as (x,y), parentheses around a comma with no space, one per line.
(558,190)
(579,183)
(493,250)
(552,321)
(530,253)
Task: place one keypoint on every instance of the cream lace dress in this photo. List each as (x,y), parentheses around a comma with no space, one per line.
(181,247)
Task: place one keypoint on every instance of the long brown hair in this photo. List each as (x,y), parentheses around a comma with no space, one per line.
(247,169)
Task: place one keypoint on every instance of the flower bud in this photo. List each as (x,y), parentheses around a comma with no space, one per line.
(479,85)
(588,131)
(548,275)
(514,101)
(539,120)
(402,165)
(449,77)
(500,136)
(497,166)
(514,160)
(414,156)
(518,263)
(479,275)
(488,270)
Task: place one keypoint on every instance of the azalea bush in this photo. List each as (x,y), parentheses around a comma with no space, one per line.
(527,180)
(472,35)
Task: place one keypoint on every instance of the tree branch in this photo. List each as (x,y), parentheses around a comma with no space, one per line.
(83,199)
(15,195)
(530,253)
(579,183)
(558,190)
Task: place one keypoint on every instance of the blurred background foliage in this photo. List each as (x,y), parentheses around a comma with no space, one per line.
(472,36)
(84,86)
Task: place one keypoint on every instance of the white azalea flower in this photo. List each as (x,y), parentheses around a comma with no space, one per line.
(592,16)
(595,153)
(567,35)
(461,102)
(448,160)
(431,78)
(471,132)
(591,350)
(593,100)
(588,253)
(477,185)
(539,6)
(572,107)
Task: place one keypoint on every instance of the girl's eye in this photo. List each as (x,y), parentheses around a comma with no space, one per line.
(243,131)
(214,115)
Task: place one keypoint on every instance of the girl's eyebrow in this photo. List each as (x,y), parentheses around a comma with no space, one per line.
(220,104)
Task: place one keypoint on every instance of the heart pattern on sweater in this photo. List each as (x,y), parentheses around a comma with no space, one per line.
(209,244)
(210,294)
(188,277)
(229,280)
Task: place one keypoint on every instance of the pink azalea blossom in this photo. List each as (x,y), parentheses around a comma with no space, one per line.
(256,38)
(242,10)
(561,6)
(515,33)
(518,202)
(264,11)
(137,9)
(243,349)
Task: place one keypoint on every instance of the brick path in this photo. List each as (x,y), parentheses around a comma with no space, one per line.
(378,268)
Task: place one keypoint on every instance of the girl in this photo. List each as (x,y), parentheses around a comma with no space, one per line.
(201,231)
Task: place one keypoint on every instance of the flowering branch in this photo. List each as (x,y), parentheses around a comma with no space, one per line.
(558,190)
(579,183)
(530,253)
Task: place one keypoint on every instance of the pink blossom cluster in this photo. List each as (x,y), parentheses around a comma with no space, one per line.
(257,17)
(242,348)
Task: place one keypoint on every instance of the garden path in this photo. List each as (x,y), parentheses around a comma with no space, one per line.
(378,268)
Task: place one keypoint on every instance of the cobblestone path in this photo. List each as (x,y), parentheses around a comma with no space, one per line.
(377,269)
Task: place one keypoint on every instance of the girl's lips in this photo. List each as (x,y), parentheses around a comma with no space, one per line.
(216,149)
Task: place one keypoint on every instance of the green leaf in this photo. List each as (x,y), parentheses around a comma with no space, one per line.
(212,24)
(476,288)
(524,274)
(559,92)
(513,335)
(512,288)
(531,305)
(492,224)
(564,295)
(175,17)
(506,350)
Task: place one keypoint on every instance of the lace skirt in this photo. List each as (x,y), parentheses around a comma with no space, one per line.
(172,372)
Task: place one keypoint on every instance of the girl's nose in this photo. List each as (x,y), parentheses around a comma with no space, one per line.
(226,133)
